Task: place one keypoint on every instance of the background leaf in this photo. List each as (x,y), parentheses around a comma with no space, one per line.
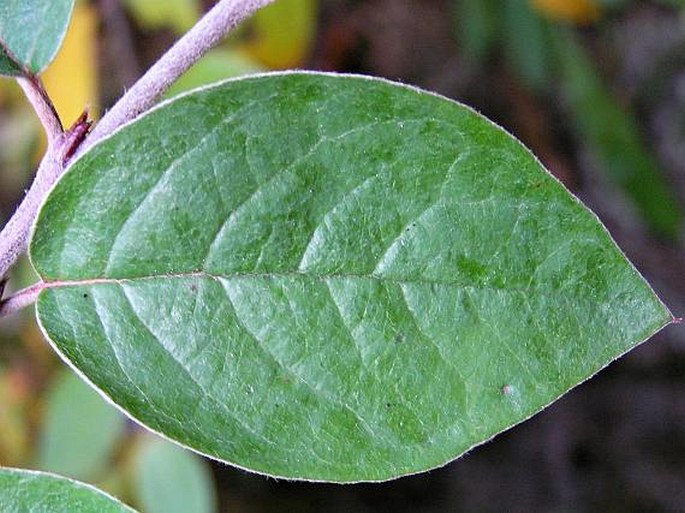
(612,136)
(282,33)
(329,277)
(528,45)
(32,32)
(169,479)
(477,23)
(22,490)
(180,15)
(79,432)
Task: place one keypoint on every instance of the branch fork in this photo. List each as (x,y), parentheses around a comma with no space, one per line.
(64,146)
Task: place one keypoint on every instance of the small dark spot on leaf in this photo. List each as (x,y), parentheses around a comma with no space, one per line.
(399,337)
(193,288)
(388,405)
(85,296)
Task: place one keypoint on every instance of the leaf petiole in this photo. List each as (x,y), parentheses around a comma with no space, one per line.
(21,299)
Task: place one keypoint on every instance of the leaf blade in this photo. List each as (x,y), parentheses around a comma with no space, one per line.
(316,298)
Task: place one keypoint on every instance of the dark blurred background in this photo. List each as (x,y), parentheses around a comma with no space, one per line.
(596,88)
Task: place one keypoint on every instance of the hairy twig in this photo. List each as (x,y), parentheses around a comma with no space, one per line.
(194,44)
(21,299)
(15,235)
(45,110)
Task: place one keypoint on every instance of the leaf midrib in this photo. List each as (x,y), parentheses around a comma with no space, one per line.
(64,283)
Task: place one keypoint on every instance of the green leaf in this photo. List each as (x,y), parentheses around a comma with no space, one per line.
(80,430)
(329,277)
(613,138)
(528,45)
(172,480)
(477,24)
(7,64)
(31,32)
(23,490)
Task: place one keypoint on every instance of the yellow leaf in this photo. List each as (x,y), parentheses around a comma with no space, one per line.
(179,15)
(281,35)
(574,11)
(71,80)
